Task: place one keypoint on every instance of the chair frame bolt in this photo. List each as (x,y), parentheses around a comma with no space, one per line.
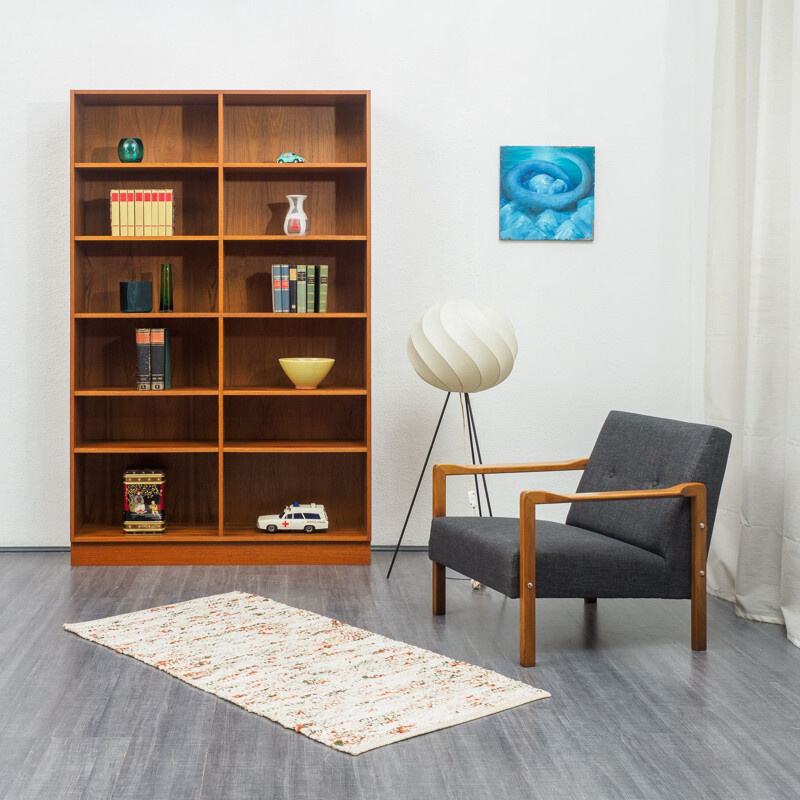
(530,586)
(702,526)
(702,574)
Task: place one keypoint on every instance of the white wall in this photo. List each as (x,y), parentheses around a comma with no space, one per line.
(616,323)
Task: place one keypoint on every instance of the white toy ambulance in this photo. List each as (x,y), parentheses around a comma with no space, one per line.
(306,517)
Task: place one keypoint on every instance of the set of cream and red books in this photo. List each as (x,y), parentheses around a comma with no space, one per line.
(142,212)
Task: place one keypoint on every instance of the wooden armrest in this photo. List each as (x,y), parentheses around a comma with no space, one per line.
(441,471)
(496,469)
(680,490)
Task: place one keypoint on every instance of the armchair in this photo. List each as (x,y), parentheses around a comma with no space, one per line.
(639,526)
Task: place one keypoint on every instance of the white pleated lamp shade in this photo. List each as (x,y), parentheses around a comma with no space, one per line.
(462,346)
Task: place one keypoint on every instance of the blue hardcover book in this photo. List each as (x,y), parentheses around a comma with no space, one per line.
(277,304)
(284,287)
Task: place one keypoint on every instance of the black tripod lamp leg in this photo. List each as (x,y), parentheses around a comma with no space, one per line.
(472,450)
(471,422)
(416,491)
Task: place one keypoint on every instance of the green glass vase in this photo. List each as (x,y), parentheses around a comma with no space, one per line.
(130,150)
(165,303)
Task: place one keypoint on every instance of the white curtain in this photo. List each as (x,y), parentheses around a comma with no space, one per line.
(753,311)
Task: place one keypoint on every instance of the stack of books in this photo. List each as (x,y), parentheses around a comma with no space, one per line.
(142,212)
(153,365)
(300,288)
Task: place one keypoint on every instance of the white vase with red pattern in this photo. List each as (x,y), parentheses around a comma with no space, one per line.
(296,222)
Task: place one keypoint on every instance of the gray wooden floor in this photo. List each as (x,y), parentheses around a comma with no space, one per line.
(634,713)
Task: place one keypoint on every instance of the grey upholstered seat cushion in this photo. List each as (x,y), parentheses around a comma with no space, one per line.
(570,561)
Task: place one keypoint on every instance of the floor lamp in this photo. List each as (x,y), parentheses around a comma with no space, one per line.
(461,346)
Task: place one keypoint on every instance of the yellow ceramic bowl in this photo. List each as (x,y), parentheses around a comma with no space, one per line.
(306,373)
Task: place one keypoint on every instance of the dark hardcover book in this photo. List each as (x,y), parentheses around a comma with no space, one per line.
(301,288)
(143,359)
(277,305)
(284,288)
(167,361)
(322,288)
(311,288)
(158,359)
(292,289)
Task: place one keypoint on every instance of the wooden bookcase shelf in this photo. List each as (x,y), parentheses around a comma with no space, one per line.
(282,238)
(123,240)
(252,391)
(306,169)
(234,437)
(116,168)
(111,392)
(147,447)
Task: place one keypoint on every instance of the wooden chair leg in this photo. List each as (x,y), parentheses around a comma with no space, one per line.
(589,599)
(699,620)
(698,582)
(439,583)
(527,582)
(527,631)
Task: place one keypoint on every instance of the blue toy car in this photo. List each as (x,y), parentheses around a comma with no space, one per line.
(290,158)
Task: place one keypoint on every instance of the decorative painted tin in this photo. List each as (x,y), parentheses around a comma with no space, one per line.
(143,501)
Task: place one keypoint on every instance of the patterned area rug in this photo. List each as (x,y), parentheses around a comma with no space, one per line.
(345,687)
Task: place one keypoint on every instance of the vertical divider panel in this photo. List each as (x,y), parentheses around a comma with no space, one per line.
(368,309)
(221,308)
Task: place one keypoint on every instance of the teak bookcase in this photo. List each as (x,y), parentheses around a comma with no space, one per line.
(234,436)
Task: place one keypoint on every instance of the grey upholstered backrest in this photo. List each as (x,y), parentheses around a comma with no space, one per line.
(639,452)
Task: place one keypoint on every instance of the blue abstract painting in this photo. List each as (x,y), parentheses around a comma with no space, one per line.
(547,193)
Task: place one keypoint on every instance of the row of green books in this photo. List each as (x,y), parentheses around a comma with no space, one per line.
(300,288)
(153,367)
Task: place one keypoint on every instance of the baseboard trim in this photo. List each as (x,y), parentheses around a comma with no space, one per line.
(376,548)
(406,548)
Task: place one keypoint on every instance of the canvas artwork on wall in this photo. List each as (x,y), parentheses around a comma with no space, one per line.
(547,193)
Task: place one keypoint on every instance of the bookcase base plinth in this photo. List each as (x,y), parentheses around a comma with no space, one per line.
(155,553)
